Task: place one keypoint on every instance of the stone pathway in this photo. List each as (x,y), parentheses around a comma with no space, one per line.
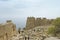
(52,38)
(15,37)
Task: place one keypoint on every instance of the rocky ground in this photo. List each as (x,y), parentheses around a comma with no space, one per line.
(50,38)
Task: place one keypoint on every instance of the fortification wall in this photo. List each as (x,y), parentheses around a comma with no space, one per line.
(30,22)
(34,22)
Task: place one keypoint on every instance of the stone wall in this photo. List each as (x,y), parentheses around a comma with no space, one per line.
(34,22)
(30,22)
(7,30)
(38,22)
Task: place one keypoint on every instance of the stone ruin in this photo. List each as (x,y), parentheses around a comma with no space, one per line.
(36,28)
(30,22)
(34,22)
(7,30)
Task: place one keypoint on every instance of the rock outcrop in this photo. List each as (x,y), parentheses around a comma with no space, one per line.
(7,30)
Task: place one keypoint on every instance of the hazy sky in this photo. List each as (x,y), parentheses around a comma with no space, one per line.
(18,10)
(24,8)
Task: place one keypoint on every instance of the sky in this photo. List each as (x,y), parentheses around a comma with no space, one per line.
(21,9)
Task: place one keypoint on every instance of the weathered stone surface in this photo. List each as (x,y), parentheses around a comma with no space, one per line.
(30,22)
(38,22)
(34,22)
(7,30)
